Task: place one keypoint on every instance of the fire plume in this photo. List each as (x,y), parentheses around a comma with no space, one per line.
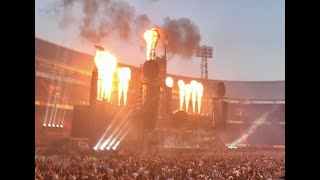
(151,37)
(188,90)
(181,87)
(124,75)
(107,65)
(199,95)
(194,87)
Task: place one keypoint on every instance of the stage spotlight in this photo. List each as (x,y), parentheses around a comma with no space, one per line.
(112,142)
(116,145)
(53,125)
(61,125)
(95,148)
(169,82)
(105,143)
(44,125)
(49,125)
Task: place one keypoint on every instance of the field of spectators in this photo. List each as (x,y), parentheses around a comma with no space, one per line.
(209,165)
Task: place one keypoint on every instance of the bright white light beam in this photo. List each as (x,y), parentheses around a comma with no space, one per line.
(252,128)
(111,124)
(107,141)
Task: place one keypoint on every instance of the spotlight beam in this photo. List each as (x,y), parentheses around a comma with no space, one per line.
(47,109)
(121,131)
(56,108)
(59,116)
(116,145)
(62,112)
(53,108)
(49,101)
(109,127)
(55,112)
(251,129)
(107,141)
(54,104)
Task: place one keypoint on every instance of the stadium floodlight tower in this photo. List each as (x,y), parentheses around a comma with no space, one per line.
(204,52)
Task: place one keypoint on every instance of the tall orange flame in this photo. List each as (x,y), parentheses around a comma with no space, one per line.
(151,36)
(107,65)
(194,86)
(120,84)
(124,75)
(188,90)
(199,96)
(181,87)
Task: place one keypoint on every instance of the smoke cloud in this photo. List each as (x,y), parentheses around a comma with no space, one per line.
(183,36)
(103,18)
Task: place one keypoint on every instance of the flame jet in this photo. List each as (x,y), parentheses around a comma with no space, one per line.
(199,95)
(194,87)
(182,89)
(124,75)
(151,36)
(188,90)
(107,65)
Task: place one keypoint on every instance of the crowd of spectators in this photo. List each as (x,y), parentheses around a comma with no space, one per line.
(234,165)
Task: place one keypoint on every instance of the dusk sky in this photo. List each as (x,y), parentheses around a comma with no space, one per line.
(247,36)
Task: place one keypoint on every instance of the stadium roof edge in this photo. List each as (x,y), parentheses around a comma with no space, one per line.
(79,52)
(55,44)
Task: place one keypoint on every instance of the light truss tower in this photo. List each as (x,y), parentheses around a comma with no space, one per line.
(204,52)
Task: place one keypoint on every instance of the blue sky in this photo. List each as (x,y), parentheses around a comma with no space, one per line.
(247,36)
